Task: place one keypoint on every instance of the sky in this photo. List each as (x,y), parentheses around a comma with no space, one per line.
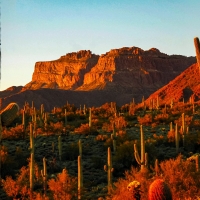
(44,30)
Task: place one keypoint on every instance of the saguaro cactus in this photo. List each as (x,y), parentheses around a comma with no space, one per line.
(32,158)
(108,168)
(144,159)
(60,148)
(176,138)
(197,48)
(44,175)
(65,118)
(113,136)
(90,118)
(80,177)
(80,147)
(183,128)
(159,190)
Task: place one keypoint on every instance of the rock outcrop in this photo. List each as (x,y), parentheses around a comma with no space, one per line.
(186,85)
(85,78)
(65,73)
(128,70)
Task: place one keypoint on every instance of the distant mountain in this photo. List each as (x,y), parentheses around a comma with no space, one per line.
(85,78)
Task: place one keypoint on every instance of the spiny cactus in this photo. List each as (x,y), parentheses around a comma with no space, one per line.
(60,148)
(144,158)
(108,168)
(197,48)
(177,138)
(44,175)
(159,190)
(80,177)
(9,113)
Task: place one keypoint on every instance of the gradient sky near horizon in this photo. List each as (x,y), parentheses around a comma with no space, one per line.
(44,30)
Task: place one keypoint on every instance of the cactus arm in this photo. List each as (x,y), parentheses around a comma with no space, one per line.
(137,157)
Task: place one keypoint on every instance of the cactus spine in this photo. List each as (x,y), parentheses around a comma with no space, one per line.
(143,161)
(60,148)
(197,48)
(159,190)
(44,175)
(108,168)
(80,177)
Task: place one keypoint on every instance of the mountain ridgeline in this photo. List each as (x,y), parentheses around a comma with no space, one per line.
(85,78)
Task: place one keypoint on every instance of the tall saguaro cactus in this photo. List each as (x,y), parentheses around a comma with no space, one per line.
(80,177)
(44,175)
(183,128)
(90,118)
(108,168)
(177,138)
(32,158)
(60,148)
(144,157)
(197,48)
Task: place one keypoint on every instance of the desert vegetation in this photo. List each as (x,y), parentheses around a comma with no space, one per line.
(97,152)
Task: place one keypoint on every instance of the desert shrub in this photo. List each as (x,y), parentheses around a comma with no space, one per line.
(63,187)
(85,129)
(161,118)
(19,188)
(7,162)
(124,155)
(179,174)
(13,133)
(146,120)
(101,137)
(57,127)
(120,190)
(182,177)
(120,123)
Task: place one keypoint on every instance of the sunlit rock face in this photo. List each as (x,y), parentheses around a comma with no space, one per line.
(185,86)
(85,78)
(126,69)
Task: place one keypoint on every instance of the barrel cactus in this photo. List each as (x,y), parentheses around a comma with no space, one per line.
(9,113)
(159,190)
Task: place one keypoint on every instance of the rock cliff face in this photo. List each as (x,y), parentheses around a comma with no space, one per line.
(128,70)
(186,85)
(64,73)
(85,78)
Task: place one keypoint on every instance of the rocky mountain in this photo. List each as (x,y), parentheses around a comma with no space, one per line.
(85,78)
(186,85)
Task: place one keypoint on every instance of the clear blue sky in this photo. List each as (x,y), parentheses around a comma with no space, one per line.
(43,30)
